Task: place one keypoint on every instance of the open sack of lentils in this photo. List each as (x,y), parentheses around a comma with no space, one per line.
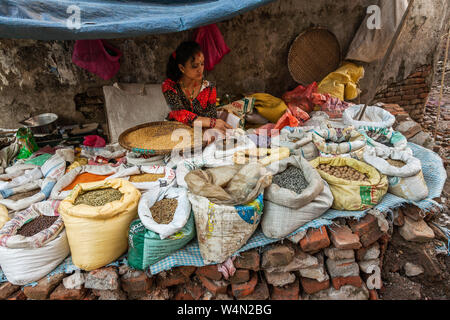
(164,210)
(99,197)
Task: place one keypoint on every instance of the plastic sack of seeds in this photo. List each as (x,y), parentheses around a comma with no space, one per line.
(146,247)
(229,185)
(300,175)
(98,234)
(350,195)
(280,221)
(404,172)
(373,117)
(168,217)
(223,229)
(298,140)
(25,259)
(336,142)
(58,192)
(384,138)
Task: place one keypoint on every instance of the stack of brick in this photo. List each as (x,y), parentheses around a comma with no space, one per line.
(411,93)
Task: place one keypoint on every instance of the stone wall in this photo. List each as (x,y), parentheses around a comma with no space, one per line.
(38,76)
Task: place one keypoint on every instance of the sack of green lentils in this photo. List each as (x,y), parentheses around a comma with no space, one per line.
(146,247)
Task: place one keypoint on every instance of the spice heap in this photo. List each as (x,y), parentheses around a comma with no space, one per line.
(396,163)
(98,197)
(159,138)
(344,172)
(292,178)
(36,225)
(164,210)
(146,177)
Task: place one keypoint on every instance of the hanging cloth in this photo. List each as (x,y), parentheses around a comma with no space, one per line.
(98,57)
(212,43)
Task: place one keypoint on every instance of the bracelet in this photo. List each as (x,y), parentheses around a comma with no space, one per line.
(212,123)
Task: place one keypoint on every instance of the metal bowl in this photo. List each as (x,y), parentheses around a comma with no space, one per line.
(43,123)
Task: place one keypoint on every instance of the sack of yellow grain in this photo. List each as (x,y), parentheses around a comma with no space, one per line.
(98,234)
(351,194)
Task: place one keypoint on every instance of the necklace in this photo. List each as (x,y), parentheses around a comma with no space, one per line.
(186,90)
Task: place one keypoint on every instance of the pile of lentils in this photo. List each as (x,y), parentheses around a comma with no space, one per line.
(344,172)
(164,210)
(292,178)
(100,197)
(36,225)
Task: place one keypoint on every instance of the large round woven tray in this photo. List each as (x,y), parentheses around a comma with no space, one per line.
(313,55)
(152,134)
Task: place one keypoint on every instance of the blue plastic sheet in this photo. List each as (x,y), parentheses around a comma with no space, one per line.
(106,19)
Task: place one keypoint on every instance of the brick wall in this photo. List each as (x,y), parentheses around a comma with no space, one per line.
(410,93)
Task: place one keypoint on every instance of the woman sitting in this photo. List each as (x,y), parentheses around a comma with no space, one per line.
(192,99)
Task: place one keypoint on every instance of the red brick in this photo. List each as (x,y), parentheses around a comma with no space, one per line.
(248,260)
(261,292)
(424,95)
(215,287)
(408,97)
(367,229)
(417,101)
(187,271)
(7,289)
(137,286)
(182,294)
(373,295)
(311,286)
(412,212)
(61,293)
(393,99)
(19,295)
(209,272)
(171,278)
(415,75)
(244,289)
(415,86)
(315,239)
(414,81)
(288,292)
(90,296)
(44,287)
(240,276)
(195,289)
(343,238)
(276,256)
(355,281)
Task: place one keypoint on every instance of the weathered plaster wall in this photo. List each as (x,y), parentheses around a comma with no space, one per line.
(38,76)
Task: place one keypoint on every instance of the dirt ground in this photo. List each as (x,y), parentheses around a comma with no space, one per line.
(434,282)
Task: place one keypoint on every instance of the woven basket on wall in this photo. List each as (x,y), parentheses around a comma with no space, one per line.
(313,55)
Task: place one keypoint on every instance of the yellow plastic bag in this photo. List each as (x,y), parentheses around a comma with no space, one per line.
(99,235)
(342,83)
(353,195)
(269,107)
(4,217)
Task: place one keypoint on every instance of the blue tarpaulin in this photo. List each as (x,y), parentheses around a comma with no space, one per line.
(106,19)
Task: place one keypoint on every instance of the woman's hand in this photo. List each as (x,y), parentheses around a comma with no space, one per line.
(222,126)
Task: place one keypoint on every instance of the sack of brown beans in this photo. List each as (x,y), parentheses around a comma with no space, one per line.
(166,224)
(404,172)
(355,185)
(33,243)
(97,216)
(296,196)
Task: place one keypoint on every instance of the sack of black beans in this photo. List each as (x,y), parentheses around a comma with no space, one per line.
(279,221)
(295,183)
(97,216)
(164,210)
(33,243)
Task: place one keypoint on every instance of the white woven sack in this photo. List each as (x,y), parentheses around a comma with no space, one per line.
(373,117)
(180,217)
(406,182)
(222,230)
(288,198)
(27,259)
(278,221)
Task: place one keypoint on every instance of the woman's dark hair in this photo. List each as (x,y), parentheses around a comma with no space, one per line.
(181,55)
